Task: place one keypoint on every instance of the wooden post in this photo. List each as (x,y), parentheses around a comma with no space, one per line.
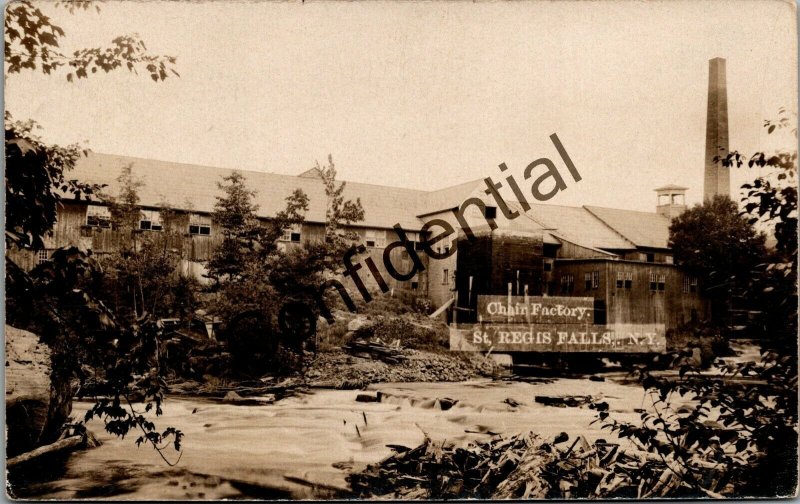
(455,310)
(508,304)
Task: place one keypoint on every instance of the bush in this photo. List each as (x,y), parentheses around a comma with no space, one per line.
(700,334)
(434,336)
(334,336)
(740,424)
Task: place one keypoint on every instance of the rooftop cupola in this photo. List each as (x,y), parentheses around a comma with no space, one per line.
(671,200)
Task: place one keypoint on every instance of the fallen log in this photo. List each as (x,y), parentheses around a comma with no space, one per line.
(86,440)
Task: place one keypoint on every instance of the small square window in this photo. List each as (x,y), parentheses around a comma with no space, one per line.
(145,224)
(491,212)
(291,234)
(205,230)
(651,258)
(628,280)
(375,237)
(445,277)
(620,280)
(155,227)
(42,256)
(414,285)
(587,280)
(548,266)
(194,229)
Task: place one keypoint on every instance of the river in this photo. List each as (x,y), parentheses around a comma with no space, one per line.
(304,446)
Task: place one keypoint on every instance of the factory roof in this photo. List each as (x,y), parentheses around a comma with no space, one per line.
(194,188)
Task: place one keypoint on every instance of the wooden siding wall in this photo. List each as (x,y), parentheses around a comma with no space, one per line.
(639,304)
(71,230)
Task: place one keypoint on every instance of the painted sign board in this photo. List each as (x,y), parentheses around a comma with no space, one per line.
(550,337)
(536,309)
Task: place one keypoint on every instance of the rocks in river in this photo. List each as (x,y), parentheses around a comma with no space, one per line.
(445,403)
(38,400)
(234,398)
(575,401)
(365,397)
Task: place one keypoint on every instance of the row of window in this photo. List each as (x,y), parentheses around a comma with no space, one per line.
(624,279)
(100,217)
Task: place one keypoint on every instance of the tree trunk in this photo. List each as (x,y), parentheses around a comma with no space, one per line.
(38,398)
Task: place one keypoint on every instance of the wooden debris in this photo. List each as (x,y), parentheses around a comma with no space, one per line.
(523,466)
(80,441)
(376,349)
(564,401)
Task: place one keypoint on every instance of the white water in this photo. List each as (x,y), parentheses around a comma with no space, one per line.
(304,447)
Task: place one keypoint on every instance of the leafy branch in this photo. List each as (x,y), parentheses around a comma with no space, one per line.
(32,42)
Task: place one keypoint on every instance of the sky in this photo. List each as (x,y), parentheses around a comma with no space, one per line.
(430,94)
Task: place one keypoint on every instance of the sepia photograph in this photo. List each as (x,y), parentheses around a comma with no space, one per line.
(400,250)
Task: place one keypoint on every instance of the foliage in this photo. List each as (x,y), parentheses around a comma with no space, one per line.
(339,213)
(141,270)
(36,178)
(771,202)
(740,423)
(249,245)
(701,334)
(235,214)
(409,333)
(713,242)
(275,282)
(33,42)
(136,376)
(59,301)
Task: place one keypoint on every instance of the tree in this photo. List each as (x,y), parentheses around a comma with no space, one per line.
(771,202)
(715,243)
(143,264)
(278,283)
(339,213)
(36,178)
(60,299)
(235,214)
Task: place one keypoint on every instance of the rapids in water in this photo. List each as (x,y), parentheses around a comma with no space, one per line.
(305,446)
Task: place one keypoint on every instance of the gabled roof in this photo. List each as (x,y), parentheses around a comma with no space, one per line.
(194,187)
(644,229)
(449,197)
(577,225)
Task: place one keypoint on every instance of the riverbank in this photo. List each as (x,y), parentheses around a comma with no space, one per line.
(343,370)
(305,446)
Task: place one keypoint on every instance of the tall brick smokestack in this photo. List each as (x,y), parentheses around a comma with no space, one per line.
(717,178)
